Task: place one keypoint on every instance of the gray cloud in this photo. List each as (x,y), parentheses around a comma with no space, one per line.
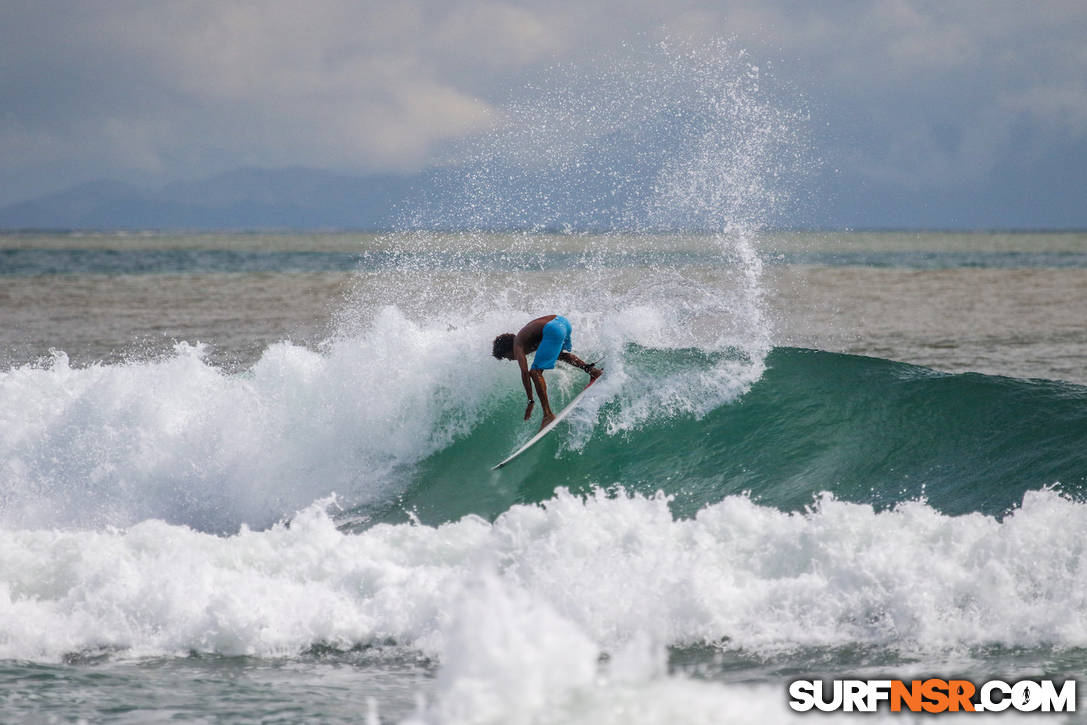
(907,92)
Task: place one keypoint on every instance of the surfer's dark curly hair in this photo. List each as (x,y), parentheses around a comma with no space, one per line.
(503,346)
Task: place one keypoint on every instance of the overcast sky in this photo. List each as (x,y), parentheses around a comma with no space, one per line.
(974,111)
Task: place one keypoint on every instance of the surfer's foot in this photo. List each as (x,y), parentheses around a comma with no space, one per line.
(595,373)
(546,419)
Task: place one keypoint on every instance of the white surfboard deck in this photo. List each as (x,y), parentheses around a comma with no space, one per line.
(548,428)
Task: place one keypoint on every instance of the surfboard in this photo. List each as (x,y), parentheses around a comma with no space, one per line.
(547,428)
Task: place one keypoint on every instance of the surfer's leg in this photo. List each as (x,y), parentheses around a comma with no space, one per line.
(541,393)
(572,359)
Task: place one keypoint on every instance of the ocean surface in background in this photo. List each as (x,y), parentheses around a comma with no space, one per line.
(246,477)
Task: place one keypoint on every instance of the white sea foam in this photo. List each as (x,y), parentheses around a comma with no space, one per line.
(181,440)
(519,611)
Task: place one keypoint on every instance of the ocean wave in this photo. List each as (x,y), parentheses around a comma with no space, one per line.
(703,425)
(405,419)
(594,574)
(180,440)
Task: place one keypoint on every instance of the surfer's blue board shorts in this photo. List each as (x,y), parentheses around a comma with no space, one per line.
(556,338)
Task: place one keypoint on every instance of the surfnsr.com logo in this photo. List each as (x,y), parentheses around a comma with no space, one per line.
(932,695)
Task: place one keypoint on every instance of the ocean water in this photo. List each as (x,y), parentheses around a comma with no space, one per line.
(246,478)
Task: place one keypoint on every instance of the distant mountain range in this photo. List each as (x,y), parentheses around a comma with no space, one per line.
(244,199)
(494,196)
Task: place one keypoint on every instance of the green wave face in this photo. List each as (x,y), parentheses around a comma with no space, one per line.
(864,429)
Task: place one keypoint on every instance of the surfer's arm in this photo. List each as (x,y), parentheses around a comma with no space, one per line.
(526,379)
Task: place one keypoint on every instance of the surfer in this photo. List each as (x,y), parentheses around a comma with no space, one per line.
(549,337)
